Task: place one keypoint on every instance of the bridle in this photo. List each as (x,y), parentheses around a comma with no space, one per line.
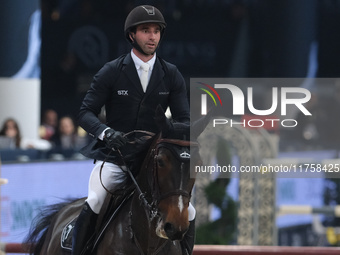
(151,208)
(182,155)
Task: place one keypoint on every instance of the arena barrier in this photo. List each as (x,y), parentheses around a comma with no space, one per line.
(11,248)
(228,250)
(262,250)
(306,209)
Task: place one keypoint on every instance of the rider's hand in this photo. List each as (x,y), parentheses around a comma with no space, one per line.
(114,139)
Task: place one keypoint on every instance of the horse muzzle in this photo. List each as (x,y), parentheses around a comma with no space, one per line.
(170,231)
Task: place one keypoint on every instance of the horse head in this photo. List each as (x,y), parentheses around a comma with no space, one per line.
(171,183)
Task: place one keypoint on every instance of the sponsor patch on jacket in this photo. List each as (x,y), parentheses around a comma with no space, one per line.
(164,93)
(123,92)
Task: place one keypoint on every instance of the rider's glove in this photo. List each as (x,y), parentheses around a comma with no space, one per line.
(114,139)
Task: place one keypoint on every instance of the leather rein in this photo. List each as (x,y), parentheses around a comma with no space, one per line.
(151,208)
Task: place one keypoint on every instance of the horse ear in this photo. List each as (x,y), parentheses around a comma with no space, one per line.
(199,125)
(162,121)
(159,112)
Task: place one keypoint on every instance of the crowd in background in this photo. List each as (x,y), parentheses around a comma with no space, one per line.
(59,137)
(259,39)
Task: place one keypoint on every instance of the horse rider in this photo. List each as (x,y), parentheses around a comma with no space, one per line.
(130,93)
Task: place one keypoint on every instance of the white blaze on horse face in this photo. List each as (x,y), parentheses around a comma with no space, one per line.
(180,203)
(181,183)
(180,198)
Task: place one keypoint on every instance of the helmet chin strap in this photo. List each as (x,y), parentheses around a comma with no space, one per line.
(137,47)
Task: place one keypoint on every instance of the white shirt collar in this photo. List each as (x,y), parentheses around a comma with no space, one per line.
(138,61)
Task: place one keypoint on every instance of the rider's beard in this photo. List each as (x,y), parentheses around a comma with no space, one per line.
(144,48)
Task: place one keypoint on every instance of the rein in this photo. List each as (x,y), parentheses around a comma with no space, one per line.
(151,208)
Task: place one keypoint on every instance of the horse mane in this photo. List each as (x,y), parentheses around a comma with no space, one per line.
(141,147)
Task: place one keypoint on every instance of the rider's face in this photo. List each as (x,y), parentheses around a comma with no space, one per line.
(147,36)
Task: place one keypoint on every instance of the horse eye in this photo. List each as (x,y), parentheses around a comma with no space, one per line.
(160,161)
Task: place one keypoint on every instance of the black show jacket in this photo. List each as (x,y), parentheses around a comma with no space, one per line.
(117,87)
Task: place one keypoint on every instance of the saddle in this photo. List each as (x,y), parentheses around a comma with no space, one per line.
(111,207)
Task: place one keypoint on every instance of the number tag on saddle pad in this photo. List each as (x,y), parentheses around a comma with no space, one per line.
(66,235)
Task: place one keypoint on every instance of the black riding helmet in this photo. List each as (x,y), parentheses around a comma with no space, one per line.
(140,15)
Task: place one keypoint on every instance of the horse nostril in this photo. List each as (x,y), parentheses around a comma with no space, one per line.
(169,229)
(172,233)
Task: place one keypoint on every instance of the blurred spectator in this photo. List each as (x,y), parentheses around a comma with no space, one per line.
(68,136)
(49,124)
(332,122)
(311,130)
(10,129)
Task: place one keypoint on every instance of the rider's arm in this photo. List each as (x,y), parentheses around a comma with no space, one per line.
(93,102)
(178,98)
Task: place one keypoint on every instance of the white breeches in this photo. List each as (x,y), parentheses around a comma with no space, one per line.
(111,176)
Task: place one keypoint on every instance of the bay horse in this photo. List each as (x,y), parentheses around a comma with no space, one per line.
(154,218)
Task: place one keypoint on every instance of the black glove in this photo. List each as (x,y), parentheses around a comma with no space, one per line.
(114,139)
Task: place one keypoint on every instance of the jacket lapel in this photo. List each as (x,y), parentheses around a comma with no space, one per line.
(157,75)
(129,69)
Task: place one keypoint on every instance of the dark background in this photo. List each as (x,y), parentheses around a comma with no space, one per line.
(230,38)
(204,38)
(261,38)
